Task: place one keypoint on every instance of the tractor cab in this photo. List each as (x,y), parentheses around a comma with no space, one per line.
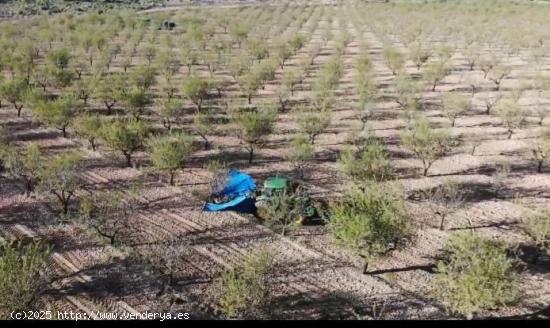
(305,207)
(274,185)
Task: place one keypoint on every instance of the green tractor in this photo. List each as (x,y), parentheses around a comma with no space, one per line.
(280,194)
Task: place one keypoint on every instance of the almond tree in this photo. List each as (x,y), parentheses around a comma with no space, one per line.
(370,220)
(202,126)
(143,77)
(109,215)
(300,153)
(491,99)
(135,102)
(170,109)
(455,105)
(393,58)
(435,72)
(170,152)
(125,136)
(291,78)
(446,199)
(109,90)
(249,84)
(88,127)
(499,73)
(196,90)
(59,176)
(58,113)
(283,53)
(541,149)
(418,55)
(13,91)
(311,122)
(24,276)
(426,143)
(511,115)
(24,165)
(408,90)
(254,126)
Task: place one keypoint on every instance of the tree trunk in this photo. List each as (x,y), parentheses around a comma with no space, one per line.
(29,186)
(19,108)
(128,159)
(171,178)
(65,204)
(250,155)
(510,132)
(539,167)
(442,223)
(92,144)
(249,99)
(426,168)
(366,267)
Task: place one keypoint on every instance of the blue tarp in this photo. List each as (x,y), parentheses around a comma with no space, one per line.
(239,188)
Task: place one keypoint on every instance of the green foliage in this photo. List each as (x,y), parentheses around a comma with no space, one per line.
(253,126)
(135,102)
(435,72)
(244,288)
(196,90)
(418,55)
(170,152)
(282,211)
(109,90)
(455,105)
(258,49)
(291,78)
(511,115)
(311,122)
(59,58)
(370,163)
(23,165)
(58,113)
(476,275)
(408,91)
(249,83)
(541,149)
(108,214)
(13,91)
(59,176)
(300,152)
(143,77)
(88,127)
(329,75)
(426,143)
(239,31)
(170,109)
(537,226)
(203,126)
(446,199)
(22,276)
(394,59)
(369,220)
(125,136)
(283,53)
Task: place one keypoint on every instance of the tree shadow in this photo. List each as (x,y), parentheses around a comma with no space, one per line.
(534,259)
(430,268)
(536,314)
